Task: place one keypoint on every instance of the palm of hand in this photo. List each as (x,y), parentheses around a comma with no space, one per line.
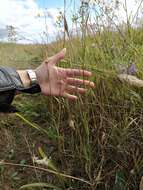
(58,81)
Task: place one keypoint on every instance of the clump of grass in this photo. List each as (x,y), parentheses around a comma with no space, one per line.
(95,144)
(99,138)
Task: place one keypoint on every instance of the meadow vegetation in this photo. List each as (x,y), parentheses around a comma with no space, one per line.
(94,143)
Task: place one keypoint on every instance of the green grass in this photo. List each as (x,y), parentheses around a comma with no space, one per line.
(98,139)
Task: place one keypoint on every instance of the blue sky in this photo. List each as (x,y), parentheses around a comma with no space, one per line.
(50,3)
(56,3)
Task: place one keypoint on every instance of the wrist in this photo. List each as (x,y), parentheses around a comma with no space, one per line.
(24,78)
(29,81)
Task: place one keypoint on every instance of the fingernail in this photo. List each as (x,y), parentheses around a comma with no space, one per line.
(92,84)
(64,50)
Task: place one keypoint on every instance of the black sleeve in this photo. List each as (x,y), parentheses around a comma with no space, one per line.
(6,99)
(10,82)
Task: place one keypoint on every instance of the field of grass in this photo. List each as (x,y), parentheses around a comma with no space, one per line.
(95,143)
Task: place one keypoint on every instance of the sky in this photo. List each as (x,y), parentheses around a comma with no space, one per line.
(50,3)
(28,17)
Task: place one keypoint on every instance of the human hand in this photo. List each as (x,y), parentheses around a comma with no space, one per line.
(57,81)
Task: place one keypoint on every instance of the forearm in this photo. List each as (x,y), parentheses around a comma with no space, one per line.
(11,82)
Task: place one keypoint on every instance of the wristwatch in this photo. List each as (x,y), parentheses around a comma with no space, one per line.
(10,82)
(32,76)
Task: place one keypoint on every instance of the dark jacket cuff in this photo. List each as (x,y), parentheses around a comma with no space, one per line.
(10,82)
(6,99)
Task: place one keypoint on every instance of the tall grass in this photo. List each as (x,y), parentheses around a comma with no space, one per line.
(98,139)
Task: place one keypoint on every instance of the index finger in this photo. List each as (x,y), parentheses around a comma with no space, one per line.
(78,72)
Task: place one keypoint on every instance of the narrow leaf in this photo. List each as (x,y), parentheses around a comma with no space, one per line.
(40,185)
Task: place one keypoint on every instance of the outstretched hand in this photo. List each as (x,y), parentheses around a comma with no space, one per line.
(57,81)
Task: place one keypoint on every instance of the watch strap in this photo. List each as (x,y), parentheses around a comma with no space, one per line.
(10,80)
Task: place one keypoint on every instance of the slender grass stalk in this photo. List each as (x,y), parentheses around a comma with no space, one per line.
(46,170)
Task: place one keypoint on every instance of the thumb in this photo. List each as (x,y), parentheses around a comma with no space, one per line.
(59,56)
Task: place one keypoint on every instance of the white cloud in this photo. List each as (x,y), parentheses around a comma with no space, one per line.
(27,17)
(53,13)
(132,9)
(111,12)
